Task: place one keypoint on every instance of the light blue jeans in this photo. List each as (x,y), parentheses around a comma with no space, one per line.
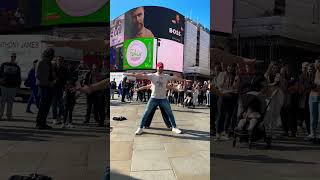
(314,104)
(164,104)
(7,97)
(208,97)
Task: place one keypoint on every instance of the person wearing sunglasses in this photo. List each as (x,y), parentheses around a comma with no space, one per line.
(10,81)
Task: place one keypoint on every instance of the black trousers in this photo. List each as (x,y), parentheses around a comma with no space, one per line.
(304,115)
(226,108)
(46,94)
(92,104)
(213,113)
(289,116)
(68,114)
(181,97)
(101,108)
(164,116)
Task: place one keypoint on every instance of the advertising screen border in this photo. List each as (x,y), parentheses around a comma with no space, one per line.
(104,22)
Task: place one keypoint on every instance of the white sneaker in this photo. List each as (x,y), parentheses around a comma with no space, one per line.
(63,125)
(139,131)
(176,130)
(224,138)
(70,125)
(311,136)
(58,121)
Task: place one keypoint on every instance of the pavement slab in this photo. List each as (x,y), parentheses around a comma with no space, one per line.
(159,153)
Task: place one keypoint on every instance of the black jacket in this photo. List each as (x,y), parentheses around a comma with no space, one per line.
(10,75)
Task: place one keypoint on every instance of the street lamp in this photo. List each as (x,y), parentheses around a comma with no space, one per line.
(158,45)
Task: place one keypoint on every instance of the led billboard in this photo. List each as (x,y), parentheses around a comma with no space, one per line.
(117,31)
(17,15)
(55,12)
(153,21)
(138,53)
(170,53)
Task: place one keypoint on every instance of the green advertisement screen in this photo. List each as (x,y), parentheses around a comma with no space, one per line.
(55,12)
(138,53)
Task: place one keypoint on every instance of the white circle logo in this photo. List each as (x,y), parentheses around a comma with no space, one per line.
(136,53)
(80,7)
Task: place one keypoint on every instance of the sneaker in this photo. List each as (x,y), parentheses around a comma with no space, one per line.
(223,138)
(58,121)
(63,125)
(310,136)
(70,125)
(54,122)
(139,131)
(176,130)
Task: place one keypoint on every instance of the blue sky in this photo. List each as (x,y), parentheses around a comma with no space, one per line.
(197,11)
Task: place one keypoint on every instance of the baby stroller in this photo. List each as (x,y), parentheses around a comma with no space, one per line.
(258,131)
(188,100)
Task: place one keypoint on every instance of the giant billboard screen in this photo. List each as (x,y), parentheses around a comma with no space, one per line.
(138,54)
(17,15)
(170,53)
(55,12)
(221,16)
(153,21)
(117,31)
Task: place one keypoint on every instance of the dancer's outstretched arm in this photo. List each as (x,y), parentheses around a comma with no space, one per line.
(104,84)
(138,76)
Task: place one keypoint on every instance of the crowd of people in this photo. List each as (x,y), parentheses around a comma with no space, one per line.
(53,84)
(180,93)
(292,96)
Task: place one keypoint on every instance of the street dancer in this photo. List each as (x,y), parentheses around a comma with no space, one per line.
(159,81)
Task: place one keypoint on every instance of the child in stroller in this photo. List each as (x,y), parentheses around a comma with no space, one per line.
(188,101)
(251,125)
(249,118)
(252,108)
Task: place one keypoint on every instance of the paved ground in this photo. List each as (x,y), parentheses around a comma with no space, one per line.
(159,154)
(288,159)
(79,153)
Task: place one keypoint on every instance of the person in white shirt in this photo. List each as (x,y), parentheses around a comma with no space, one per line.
(159,82)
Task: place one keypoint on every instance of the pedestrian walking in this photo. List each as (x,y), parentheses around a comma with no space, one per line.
(10,81)
(31,83)
(45,80)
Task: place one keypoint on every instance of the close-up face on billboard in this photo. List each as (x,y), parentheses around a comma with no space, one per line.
(55,12)
(221,16)
(117,31)
(138,53)
(16,15)
(151,21)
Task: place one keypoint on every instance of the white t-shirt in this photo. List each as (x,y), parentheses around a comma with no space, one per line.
(159,85)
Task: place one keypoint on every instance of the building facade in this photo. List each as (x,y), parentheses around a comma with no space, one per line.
(196,51)
(277,29)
